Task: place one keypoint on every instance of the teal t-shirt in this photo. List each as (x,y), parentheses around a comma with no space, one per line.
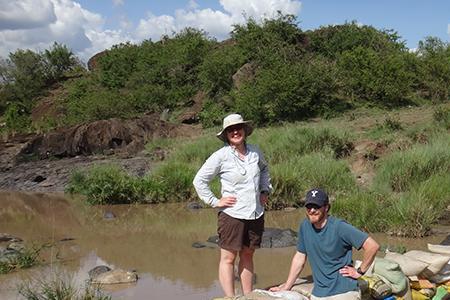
(328,250)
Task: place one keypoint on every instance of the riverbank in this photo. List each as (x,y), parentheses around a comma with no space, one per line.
(386,172)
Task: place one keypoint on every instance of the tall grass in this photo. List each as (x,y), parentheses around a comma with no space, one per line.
(57,287)
(293,177)
(400,171)
(414,212)
(281,143)
(106,184)
(365,210)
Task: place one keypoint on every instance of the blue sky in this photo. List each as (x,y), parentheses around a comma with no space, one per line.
(90,26)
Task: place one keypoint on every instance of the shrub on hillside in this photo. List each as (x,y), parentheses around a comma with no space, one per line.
(290,91)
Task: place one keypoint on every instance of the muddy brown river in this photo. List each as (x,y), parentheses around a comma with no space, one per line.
(154,240)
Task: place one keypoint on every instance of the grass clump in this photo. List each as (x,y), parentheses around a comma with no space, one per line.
(59,288)
(364,210)
(20,259)
(413,213)
(106,184)
(401,170)
(293,177)
(281,143)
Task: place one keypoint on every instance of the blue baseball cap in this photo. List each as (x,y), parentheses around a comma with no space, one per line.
(316,196)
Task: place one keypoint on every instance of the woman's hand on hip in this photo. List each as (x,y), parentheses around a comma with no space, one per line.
(227,201)
(263,198)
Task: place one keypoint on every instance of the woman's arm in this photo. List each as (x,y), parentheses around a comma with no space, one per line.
(207,172)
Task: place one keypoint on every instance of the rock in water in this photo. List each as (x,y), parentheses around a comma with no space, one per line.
(115,276)
(98,270)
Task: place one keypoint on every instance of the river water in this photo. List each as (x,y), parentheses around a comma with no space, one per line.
(154,240)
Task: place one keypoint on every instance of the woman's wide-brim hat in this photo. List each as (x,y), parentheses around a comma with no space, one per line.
(234,119)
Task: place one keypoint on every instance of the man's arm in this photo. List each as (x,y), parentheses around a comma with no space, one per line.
(297,264)
(370,248)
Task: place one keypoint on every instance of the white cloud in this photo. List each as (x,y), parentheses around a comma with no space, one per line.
(72,25)
(24,14)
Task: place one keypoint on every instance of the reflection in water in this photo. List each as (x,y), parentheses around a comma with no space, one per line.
(154,240)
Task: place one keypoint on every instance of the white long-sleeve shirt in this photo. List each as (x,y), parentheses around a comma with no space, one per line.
(244,179)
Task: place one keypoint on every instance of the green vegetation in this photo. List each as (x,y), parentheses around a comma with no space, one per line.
(25,76)
(58,288)
(408,195)
(282,74)
(106,184)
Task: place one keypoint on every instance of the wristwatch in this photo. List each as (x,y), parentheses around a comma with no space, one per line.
(360,271)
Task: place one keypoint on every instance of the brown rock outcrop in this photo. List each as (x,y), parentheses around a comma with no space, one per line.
(127,136)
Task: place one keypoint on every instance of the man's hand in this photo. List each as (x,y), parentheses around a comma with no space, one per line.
(226,201)
(281,287)
(349,271)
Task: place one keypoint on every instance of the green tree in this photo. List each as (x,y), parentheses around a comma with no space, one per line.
(59,59)
(434,81)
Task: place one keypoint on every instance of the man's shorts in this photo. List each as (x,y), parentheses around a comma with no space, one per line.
(234,233)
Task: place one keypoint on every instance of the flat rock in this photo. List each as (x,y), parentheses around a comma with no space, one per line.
(115,277)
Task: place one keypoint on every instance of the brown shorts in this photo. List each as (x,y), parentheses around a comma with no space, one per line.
(234,233)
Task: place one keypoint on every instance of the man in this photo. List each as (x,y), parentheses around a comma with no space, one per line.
(327,242)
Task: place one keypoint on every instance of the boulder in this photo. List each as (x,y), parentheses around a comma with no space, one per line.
(115,276)
(244,74)
(278,238)
(98,270)
(92,63)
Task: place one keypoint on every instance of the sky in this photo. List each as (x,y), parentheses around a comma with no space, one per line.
(90,26)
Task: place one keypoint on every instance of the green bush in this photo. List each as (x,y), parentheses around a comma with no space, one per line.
(375,77)
(290,91)
(106,184)
(16,118)
(442,117)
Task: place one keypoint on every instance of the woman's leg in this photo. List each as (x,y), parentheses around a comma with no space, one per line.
(246,269)
(226,271)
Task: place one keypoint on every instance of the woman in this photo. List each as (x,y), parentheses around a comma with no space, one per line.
(245,186)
